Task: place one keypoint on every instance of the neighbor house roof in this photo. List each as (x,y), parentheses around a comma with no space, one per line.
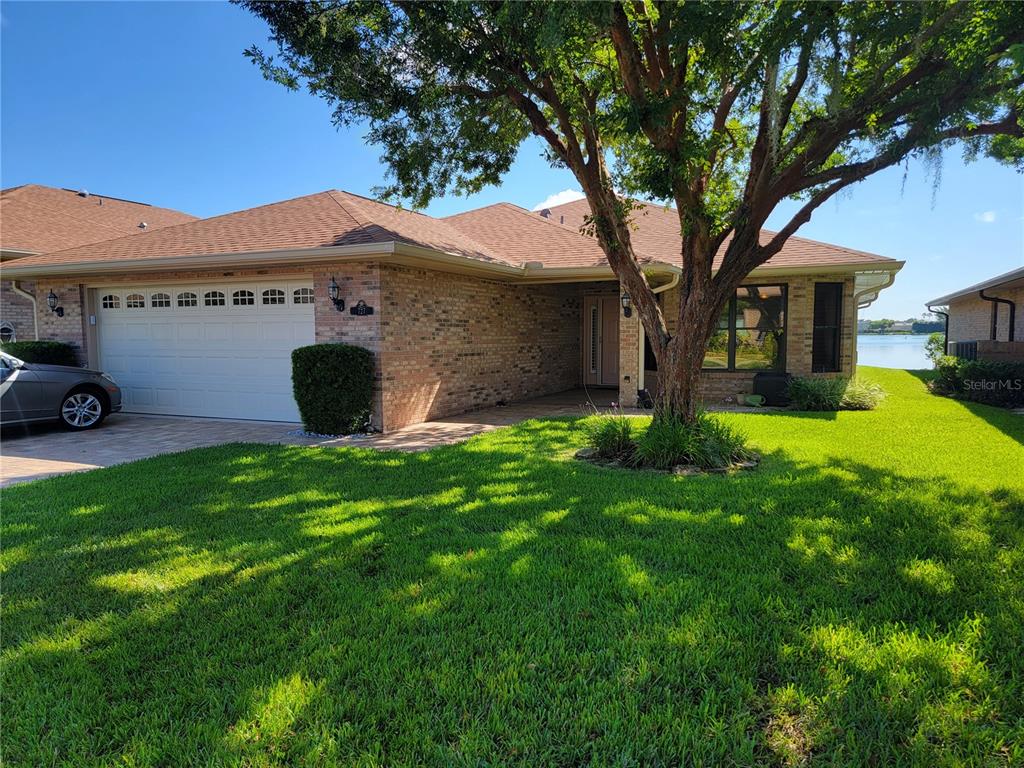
(656,231)
(38,219)
(322,220)
(498,238)
(1012,279)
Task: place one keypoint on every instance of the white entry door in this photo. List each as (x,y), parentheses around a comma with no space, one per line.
(220,350)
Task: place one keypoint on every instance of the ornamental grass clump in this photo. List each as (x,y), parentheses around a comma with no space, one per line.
(834,394)
(707,443)
(610,436)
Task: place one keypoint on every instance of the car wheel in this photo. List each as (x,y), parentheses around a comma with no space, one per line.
(82,409)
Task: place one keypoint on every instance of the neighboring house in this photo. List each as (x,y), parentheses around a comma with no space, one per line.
(492,305)
(36,219)
(986,316)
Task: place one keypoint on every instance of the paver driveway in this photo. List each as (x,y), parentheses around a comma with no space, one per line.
(41,451)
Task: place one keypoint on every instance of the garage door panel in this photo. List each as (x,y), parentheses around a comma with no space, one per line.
(230,362)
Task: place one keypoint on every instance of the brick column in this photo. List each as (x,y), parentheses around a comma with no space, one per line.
(629,358)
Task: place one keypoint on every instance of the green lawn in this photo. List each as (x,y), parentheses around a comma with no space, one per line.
(858,600)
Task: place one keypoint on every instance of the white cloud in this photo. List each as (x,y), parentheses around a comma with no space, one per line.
(565,196)
(985,217)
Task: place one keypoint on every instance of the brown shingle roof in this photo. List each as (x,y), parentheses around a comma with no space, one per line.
(41,219)
(521,236)
(501,234)
(321,220)
(656,234)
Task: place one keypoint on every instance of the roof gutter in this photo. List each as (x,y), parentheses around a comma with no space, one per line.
(864,297)
(35,307)
(945,325)
(996,301)
(397,252)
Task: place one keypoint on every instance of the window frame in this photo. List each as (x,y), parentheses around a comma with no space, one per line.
(731,330)
(274,293)
(186,300)
(214,298)
(161,297)
(243,297)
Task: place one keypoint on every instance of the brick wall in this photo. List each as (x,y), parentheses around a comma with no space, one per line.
(452,343)
(970,317)
(17,310)
(71,327)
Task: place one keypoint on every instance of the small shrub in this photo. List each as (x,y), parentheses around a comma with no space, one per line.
(817,393)
(47,352)
(991,382)
(708,442)
(834,394)
(333,386)
(947,380)
(610,435)
(935,347)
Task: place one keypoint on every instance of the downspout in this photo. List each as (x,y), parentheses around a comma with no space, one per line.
(945,327)
(995,314)
(35,307)
(641,384)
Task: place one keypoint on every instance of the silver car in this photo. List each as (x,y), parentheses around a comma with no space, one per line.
(77,397)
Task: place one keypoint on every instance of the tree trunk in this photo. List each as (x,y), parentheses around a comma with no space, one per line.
(681,361)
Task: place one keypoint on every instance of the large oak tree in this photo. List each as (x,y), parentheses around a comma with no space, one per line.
(722,109)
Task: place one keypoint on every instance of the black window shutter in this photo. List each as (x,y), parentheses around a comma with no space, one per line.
(828,320)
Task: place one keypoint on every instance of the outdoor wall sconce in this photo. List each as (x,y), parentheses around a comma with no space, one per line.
(332,292)
(51,302)
(627,306)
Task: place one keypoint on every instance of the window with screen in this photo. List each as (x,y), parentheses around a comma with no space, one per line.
(828,320)
(751,331)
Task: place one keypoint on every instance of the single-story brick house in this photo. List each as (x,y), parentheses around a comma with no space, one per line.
(987,314)
(36,219)
(493,305)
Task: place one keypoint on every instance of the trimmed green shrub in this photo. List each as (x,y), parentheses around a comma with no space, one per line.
(333,386)
(611,436)
(991,382)
(947,379)
(48,352)
(834,394)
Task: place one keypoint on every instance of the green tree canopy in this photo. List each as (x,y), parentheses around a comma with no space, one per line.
(721,109)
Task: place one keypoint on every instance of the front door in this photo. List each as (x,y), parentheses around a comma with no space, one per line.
(601,340)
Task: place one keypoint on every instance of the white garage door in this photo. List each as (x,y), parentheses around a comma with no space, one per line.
(206,350)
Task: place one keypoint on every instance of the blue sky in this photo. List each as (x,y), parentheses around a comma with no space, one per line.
(155,102)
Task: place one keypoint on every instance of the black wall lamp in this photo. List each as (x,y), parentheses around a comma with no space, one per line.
(333,293)
(51,302)
(627,305)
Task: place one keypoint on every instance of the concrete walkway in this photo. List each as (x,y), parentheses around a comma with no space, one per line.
(29,453)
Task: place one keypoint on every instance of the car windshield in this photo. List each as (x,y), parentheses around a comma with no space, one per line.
(10,361)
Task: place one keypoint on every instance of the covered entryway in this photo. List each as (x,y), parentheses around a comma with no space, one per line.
(601,341)
(211,349)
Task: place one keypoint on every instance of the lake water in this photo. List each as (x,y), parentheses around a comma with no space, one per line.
(884,351)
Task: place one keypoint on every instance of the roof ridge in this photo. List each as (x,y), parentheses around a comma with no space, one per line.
(369,199)
(361,219)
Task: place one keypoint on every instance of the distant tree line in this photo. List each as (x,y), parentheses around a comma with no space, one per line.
(926,324)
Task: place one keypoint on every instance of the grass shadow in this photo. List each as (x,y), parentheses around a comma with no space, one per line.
(498,602)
